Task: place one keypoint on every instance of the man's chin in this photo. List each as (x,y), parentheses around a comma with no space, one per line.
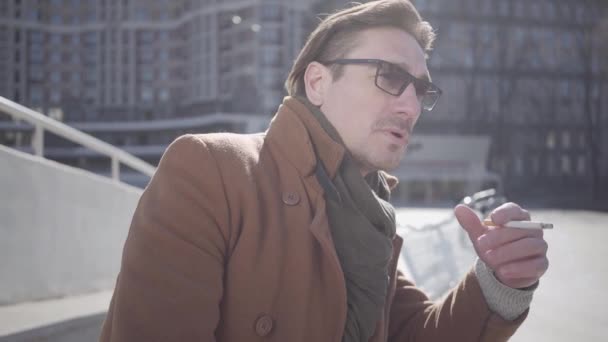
(387,165)
(370,163)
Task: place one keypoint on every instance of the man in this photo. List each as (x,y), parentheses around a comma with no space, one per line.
(288,235)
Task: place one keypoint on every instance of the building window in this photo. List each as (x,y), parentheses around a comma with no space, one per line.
(147,55)
(567,40)
(566,167)
(163,95)
(75,91)
(550,166)
(271,12)
(36,37)
(534,161)
(55,77)
(549,9)
(566,139)
(550,140)
(90,38)
(503,8)
(75,77)
(518,166)
(564,88)
(56,19)
(36,54)
(55,96)
(146,36)
(163,55)
(90,76)
(146,95)
(36,73)
(520,9)
(580,165)
(271,36)
(147,74)
(163,75)
(90,93)
(36,96)
(55,57)
(270,57)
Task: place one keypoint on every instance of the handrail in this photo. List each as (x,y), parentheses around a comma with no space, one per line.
(42,123)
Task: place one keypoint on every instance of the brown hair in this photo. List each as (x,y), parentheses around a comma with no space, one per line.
(336,35)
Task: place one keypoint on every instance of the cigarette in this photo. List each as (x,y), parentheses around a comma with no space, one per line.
(520,224)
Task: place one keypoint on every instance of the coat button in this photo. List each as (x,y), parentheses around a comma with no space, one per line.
(291,198)
(263,325)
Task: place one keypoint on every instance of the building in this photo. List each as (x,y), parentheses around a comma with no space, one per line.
(532,75)
(137,73)
(529,74)
(100,60)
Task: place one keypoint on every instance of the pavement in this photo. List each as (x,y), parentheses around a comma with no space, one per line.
(76,318)
(569,305)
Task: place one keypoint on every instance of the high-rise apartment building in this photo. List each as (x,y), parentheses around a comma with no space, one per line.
(144,59)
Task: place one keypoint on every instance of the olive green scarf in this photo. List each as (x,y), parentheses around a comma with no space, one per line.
(362,225)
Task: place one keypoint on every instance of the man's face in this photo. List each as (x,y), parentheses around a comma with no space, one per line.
(376,126)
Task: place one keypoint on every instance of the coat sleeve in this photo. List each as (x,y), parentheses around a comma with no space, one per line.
(170,283)
(462,315)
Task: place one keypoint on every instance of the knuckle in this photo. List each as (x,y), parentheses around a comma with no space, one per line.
(490,260)
(513,205)
(503,272)
(496,216)
(544,246)
(492,257)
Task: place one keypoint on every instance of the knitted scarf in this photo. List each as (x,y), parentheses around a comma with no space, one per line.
(362,225)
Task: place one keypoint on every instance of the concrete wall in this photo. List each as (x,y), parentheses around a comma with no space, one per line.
(61,229)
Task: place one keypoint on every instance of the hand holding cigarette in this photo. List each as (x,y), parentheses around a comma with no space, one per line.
(508,243)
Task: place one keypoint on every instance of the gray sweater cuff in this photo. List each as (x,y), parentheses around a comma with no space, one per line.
(507,302)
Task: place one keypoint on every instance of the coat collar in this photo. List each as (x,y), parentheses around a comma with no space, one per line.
(294,129)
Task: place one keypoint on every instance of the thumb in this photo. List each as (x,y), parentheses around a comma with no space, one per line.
(469,221)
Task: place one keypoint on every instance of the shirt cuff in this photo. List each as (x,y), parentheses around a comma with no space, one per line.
(507,302)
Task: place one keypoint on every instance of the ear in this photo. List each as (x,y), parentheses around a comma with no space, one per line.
(316,77)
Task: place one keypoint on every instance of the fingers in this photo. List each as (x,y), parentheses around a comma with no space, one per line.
(512,252)
(493,238)
(522,273)
(469,221)
(509,212)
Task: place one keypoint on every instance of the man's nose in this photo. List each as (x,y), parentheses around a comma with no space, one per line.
(408,102)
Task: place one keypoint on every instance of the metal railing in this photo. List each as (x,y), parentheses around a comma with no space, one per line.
(43,123)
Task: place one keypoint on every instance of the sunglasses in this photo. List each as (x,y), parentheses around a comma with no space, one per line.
(393,80)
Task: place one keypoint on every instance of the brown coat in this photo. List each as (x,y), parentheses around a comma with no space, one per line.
(230,242)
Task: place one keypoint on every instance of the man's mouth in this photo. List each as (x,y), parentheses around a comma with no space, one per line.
(399,135)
